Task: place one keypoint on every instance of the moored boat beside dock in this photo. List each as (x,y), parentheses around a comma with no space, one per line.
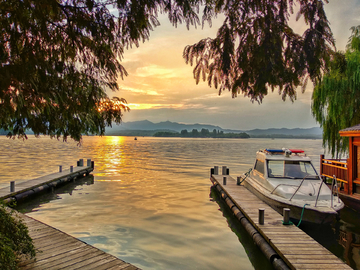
(292,245)
(286,178)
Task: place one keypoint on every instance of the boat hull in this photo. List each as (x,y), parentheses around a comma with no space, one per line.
(309,215)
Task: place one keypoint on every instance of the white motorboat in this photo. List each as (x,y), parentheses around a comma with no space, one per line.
(286,178)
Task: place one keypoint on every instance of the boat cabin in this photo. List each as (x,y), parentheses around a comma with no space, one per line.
(284,163)
(346,171)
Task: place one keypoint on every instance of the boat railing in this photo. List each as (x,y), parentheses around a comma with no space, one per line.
(302,181)
(334,183)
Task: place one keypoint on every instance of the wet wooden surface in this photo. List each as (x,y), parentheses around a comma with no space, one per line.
(58,250)
(295,247)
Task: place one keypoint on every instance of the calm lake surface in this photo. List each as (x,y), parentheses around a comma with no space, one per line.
(149,202)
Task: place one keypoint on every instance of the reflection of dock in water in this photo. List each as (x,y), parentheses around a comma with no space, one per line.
(56,249)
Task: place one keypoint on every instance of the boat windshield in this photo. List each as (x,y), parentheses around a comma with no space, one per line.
(291,169)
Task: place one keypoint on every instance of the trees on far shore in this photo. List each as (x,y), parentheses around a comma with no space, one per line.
(204,133)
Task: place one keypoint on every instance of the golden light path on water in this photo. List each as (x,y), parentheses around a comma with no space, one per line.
(148,202)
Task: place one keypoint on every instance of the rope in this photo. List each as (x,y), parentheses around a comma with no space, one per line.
(302,213)
(246,175)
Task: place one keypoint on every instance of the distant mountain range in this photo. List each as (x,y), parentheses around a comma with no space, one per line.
(148,128)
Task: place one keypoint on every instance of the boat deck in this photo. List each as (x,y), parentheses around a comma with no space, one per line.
(295,247)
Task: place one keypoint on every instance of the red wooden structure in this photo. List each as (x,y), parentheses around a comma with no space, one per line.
(347,171)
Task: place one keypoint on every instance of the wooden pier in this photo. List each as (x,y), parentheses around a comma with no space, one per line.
(295,247)
(56,249)
(22,190)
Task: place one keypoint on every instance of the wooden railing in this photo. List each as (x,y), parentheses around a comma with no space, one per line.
(331,167)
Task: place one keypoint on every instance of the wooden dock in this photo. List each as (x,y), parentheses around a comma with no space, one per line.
(28,188)
(56,249)
(295,247)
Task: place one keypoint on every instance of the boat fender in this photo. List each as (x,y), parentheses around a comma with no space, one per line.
(239,215)
(266,249)
(279,264)
(229,202)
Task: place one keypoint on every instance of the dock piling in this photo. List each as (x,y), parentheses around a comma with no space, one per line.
(60,168)
(71,168)
(223,170)
(81,162)
(224,180)
(238,179)
(12,186)
(261,216)
(216,170)
(286,215)
(88,162)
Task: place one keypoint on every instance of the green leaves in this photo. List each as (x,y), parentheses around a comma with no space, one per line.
(58,58)
(14,239)
(336,98)
(256,50)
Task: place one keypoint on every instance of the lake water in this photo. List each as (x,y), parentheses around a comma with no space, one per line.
(149,201)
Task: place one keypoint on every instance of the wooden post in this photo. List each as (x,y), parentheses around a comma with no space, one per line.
(60,168)
(12,186)
(93,164)
(216,170)
(88,162)
(238,179)
(286,215)
(321,164)
(211,171)
(81,162)
(223,170)
(71,168)
(224,180)
(261,216)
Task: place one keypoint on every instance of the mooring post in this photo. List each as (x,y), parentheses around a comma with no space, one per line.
(88,162)
(223,170)
(224,180)
(60,168)
(211,171)
(93,164)
(12,186)
(261,216)
(81,162)
(71,168)
(286,215)
(238,180)
(216,170)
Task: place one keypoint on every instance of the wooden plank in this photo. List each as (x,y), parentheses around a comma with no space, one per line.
(67,255)
(321,266)
(102,262)
(80,259)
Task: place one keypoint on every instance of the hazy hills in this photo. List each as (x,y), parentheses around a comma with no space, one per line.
(148,128)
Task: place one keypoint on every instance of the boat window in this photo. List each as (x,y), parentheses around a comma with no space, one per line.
(291,169)
(259,166)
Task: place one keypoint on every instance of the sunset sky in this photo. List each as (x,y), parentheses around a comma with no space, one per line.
(160,86)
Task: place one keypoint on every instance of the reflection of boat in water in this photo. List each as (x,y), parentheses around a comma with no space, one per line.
(287,179)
